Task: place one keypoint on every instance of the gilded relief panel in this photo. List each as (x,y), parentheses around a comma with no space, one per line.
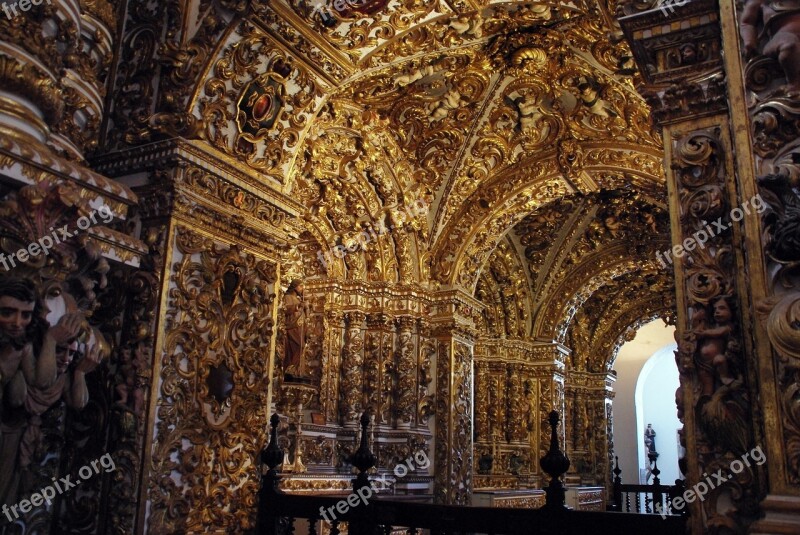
(213,407)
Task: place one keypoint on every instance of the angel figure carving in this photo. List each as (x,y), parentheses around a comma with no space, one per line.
(780,22)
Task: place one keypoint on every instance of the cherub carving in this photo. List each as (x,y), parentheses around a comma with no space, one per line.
(712,343)
(418,74)
(590,97)
(529,111)
(451,100)
(464,25)
(781,23)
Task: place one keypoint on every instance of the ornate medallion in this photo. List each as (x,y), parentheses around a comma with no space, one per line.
(259,105)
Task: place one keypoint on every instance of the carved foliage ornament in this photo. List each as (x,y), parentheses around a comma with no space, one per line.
(710,355)
(212,415)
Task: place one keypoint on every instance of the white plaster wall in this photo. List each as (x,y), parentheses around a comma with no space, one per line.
(630,360)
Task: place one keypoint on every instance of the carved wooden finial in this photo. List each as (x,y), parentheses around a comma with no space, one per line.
(363,458)
(272,456)
(555,464)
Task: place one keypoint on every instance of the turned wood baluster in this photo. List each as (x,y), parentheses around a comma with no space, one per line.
(617,489)
(657,496)
(363,459)
(272,456)
(555,464)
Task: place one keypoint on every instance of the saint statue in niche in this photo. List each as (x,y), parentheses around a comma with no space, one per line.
(650,440)
(294,366)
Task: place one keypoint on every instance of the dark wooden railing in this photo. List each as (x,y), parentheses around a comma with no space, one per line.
(658,498)
(282,513)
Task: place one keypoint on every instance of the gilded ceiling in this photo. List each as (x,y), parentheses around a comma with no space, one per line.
(517,126)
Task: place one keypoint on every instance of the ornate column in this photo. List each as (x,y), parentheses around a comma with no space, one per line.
(426,388)
(516,405)
(551,396)
(588,395)
(405,401)
(352,389)
(333,328)
(55,60)
(453,328)
(380,370)
(770,143)
(728,398)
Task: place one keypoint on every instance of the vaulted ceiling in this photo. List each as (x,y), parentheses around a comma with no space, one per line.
(517,124)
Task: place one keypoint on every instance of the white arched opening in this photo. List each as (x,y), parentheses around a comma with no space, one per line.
(654,400)
(629,426)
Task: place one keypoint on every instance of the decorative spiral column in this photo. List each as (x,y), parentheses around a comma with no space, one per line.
(352,400)
(406,359)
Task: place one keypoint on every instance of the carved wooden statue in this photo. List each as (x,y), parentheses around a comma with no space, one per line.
(24,334)
(294,308)
(650,440)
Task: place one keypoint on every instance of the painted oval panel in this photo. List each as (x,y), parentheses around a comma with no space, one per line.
(262,107)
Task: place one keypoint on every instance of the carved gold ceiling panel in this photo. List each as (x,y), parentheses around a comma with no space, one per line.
(494,117)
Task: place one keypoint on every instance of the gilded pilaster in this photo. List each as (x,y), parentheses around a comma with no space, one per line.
(427,357)
(215,342)
(762,40)
(331,361)
(588,421)
(453,328)
(380,369)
